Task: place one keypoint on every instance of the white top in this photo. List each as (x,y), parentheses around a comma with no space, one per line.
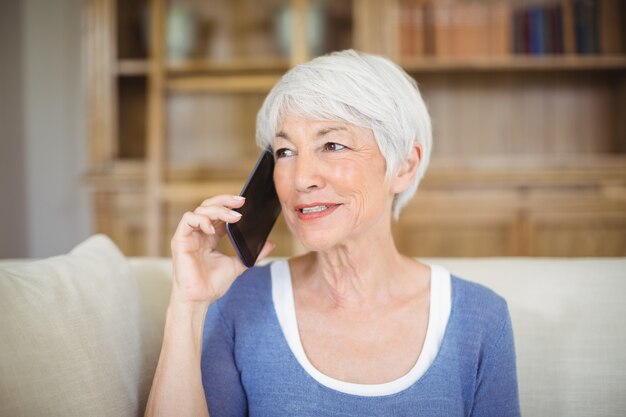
(440,305)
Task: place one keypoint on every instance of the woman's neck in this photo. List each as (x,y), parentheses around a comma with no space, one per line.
(359,274)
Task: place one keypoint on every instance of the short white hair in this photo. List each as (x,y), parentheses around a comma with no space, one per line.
(361,89)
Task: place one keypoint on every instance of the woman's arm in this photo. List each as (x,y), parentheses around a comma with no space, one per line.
(177,387)
(201,276)
(496,389)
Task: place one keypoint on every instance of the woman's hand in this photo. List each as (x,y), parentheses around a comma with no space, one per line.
(202,274)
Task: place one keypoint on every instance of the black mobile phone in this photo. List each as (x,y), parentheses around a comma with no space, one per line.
(259,212)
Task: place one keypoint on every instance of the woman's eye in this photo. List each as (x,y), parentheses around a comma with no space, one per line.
(333,147)
(283,152)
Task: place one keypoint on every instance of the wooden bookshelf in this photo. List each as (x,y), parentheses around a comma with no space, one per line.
(529,152)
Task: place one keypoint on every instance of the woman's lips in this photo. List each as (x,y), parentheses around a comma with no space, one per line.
(315,211)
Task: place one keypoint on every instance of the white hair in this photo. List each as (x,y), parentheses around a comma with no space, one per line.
(362,89)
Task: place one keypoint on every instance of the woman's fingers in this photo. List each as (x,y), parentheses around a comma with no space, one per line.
(192,222)
(219,209)
(232,201)
(204,217)
(222,213)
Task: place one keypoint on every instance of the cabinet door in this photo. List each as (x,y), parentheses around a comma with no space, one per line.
(452,224)
(594,233)
(559,223)
(121,216)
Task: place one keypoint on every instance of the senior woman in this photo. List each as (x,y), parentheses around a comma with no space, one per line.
(353,327)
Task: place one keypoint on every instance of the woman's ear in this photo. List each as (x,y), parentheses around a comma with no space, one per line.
(408,169)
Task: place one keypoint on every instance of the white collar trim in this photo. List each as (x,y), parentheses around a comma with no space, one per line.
(440,306)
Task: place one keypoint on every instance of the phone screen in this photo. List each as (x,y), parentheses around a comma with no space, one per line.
(259,212)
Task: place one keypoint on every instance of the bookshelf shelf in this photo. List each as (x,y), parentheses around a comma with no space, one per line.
(133,67)
(517,63)
(223,84)
(122,175)
(193,191)
(228,67)
(573,171)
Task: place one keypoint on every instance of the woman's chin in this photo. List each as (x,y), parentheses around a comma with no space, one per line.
(317,242)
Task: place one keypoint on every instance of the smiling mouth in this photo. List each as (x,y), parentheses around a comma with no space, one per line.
(315,209)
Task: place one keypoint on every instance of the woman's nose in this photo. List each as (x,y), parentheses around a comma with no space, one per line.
(307,173)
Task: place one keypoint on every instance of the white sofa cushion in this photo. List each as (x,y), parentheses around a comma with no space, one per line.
(75,341)
(568,320)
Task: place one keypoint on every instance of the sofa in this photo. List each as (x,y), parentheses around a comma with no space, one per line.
(80,333)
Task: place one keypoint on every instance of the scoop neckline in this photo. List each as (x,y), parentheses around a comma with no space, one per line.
(286,314)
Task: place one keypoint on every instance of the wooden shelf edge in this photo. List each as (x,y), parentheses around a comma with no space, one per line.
(586,170)
(223,84)
(532,162)
(104,183)
(236,65)
(515,63)
(191,192)
(429,204)
(133,67)
(138,67)
(118,175)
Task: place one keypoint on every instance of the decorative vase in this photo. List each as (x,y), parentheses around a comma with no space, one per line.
(182,32)
(316,29)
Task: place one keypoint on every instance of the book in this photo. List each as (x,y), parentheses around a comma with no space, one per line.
(525,27)
(419,28)
(518,47)
(556,21)
(536,28)
(441,28)
(611,23)
(411,27)
(405,28)
(500,29)
(585,26)
(470,29)
(569,32)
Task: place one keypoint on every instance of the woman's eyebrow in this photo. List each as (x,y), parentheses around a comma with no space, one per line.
(283,135)
(323,131)
(327,130)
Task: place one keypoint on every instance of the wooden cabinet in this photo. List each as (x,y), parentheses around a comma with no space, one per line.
(529,152)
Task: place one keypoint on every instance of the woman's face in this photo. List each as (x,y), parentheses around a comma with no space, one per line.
(330,178)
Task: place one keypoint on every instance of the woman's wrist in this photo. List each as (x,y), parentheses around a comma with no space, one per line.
(185,320)
(181,302)
(179,311)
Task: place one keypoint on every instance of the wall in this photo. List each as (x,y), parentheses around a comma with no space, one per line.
(13,224)
(43,144)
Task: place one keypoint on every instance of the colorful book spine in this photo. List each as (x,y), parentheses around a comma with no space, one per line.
(456,28)
(536,30)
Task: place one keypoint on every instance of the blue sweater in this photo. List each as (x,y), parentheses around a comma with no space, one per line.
(249,369)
